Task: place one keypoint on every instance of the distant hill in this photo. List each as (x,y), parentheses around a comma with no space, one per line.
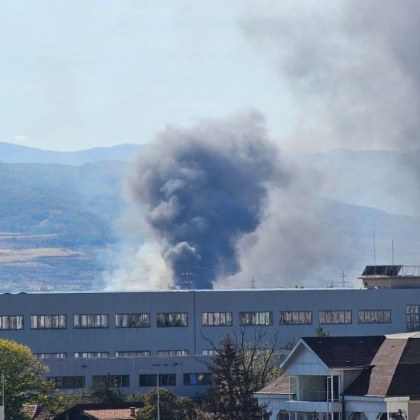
(58,221)
(13,153)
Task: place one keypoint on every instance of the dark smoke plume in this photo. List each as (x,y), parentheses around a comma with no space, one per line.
(202,189)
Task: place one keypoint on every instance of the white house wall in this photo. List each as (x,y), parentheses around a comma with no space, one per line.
(305,362)
(370,406)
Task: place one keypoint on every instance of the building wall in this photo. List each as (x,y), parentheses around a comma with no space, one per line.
(195,337)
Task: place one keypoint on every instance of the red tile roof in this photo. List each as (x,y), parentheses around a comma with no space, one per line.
(110,414)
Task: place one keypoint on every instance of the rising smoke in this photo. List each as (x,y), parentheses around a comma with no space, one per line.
(201,189)
(216,198)
(353,67)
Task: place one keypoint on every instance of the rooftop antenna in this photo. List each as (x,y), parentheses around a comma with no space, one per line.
(253,282)
(374,251)
(392,245)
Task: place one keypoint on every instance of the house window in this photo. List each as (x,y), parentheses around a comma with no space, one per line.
(176,319)
(413,317)
(132,320)
(255,318)
(90,321)
(216,319)
(11,322)
(334,317)
(149,380)
(375,316)
(295,317)
(68,382)
(141,353)
(43,322)
(197,379)
(42,356)
(113,381)
(172,353)
(91,355)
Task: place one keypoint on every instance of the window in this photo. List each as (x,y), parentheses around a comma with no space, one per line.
(375,316)
(91,355)
(413,317)
(172,353)
(334,317)
(68,382)
(90,321)
(172,319)
(167,379)
(255,318)
(209,352)
(39,322)
(11,322)
(141,353)
(295,317)
(216,319)
(113,381)
(197,379)
(42,356)
(132,320)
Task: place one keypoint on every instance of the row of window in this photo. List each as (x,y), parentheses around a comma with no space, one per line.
(413,317)
(369,316)
(80,321)
(142,320)
(281,352)
(123,381)
(105,354)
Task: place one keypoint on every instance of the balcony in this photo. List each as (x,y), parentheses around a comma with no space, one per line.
(316,388)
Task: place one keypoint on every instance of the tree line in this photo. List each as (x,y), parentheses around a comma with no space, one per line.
(239,367)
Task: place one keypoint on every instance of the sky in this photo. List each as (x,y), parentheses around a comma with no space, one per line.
(84,73)
(325,74)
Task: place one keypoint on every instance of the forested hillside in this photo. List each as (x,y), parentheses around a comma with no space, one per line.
(55,223)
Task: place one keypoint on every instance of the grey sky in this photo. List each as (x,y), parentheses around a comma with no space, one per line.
(83,73)
(324,73)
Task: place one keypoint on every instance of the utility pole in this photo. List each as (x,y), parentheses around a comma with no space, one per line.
(2,396)
(157,397)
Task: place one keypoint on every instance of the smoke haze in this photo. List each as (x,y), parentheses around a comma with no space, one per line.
(352,66)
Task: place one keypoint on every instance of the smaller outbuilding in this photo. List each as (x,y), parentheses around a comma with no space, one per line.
(348,378)
(101,411)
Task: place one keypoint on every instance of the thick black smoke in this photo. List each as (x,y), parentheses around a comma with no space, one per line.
(201,189)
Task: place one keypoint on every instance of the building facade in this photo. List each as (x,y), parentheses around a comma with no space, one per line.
(136,336)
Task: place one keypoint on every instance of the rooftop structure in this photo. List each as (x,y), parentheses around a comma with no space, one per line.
(391,276)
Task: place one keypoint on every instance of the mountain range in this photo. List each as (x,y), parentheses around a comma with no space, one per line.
(13,153)
(59,211)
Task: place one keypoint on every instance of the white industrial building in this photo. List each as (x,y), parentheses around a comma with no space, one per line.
(136,335)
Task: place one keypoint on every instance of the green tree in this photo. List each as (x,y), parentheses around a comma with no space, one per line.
(320,332)
(239,368)
(171,407)
(23,378)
